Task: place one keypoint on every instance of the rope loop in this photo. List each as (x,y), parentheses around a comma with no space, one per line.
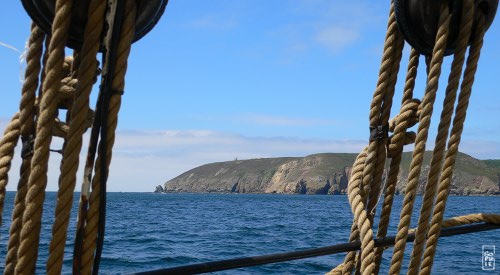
(365,180)
(409,114)
(67,95)
(407,118)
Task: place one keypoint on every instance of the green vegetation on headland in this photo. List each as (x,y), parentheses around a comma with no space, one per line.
(326,173)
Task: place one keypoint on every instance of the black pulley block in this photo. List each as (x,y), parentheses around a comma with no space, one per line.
(418,21)
(42,13)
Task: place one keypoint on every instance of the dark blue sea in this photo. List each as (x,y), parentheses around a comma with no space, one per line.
(152,231)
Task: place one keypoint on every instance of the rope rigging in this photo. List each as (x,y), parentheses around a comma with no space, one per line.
(54,81)
(66,83)
(415,111)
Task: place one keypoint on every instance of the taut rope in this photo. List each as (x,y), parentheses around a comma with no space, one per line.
(444,125)
(118,84)
(32,216)
(85,74)
(66,83)
(421,139)
(449,162)
(365,182)
(27,121)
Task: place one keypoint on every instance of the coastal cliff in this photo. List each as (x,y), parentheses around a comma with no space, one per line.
(326,173)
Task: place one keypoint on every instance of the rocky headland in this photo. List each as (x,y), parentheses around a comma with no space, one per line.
(326,173)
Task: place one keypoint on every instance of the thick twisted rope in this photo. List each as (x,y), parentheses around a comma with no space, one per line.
(26,120)
(366,176)
(410,114)
(359,209)
(472,218)
(350,259)
(17,217)
(440,144)
(456,132)
(336,271)
(408,110)
(372,168)
(372,174)
(78,124)
(379,117)
(28,250)
(31,80)
(355,182)
(452,222)
(26,116)
(384,120)
(27,108)
(118,84)
(421,139)
(7,145)
(374,194)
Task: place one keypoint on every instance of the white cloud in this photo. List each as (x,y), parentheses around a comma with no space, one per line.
(481,148)
(337,25)
(284,121)
(144,159)
(337,38)
(220,22)
(270,120)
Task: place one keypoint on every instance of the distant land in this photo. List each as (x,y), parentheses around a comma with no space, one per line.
(326,173)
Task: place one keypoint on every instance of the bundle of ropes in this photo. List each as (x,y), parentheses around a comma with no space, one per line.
(469,19)
(54,82)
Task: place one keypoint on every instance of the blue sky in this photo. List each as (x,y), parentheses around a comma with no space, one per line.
(216,80)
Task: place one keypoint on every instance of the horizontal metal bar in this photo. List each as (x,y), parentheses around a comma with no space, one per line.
(308,253)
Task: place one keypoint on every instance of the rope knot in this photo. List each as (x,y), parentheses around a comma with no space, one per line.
(407,118)
(409,113)
(67,95)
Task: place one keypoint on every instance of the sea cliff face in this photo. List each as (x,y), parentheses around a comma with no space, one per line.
(321,174)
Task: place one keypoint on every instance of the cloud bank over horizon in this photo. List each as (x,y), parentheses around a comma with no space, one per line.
(143,159)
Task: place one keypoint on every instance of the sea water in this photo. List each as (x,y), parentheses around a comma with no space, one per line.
(146,231)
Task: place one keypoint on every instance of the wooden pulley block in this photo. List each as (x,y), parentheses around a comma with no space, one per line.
(418,21)
(42,13)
